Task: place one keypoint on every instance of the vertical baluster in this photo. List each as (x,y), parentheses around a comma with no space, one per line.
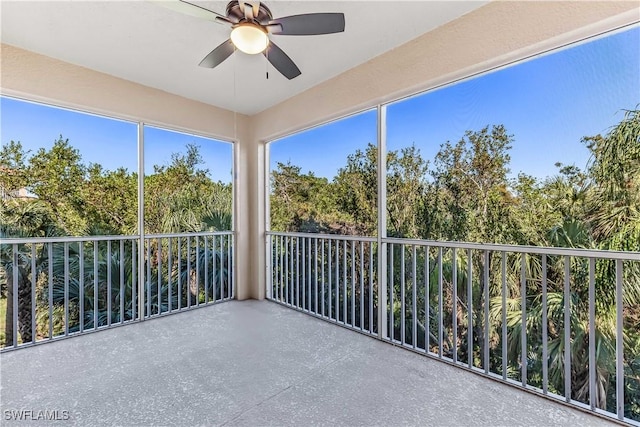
(440,305)
(353,285)
(109,289)
(276,267)
(148,281)
(344,272)
(567,328)
(486,312)
(454,313)
(121,283)
(66,288)
(371,287)
(15,271)
(523,329)
(292,288)
(297,262)
(427,297)
(322,277)
(281,269)
(34,280)
(309,272)
(81,285)
(337,302)
(159,254)
(470,307)
(285,273)
(303,254)
(273,253)
(222,297)
(230,277)
(315,269)
(361,286)
(592,333)
(50,288)
(505,360)
(403,307)
(197,261)
(206,269)
(286,269)
(134,279)
(329,276)
(391,291)
(213,268)
(169,271)
(188,276)
(273,264)
(96,271)
(179,273)
(414,299)
(345,280)
(619,342)
(545,351)
(219,269)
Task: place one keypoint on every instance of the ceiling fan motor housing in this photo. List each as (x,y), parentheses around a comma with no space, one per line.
(252,23)
(237,14)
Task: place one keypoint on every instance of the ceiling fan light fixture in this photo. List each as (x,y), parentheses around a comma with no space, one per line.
(249,38)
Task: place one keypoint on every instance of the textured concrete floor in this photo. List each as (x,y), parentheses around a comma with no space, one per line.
(254,364)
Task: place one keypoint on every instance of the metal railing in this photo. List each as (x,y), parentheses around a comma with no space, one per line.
(65,286)
(329,276)
(548,320)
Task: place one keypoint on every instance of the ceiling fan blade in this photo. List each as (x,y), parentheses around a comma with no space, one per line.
(188,9)
(273,28)
(221,20)
(218,55)
(281,61)
(310,24)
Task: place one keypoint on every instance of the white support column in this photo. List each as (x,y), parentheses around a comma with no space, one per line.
(141,293)
(249,187)
(265,202)
(382,221)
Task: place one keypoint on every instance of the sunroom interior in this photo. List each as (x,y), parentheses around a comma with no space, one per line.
(261,359)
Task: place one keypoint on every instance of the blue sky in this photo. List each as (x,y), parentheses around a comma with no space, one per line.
(112,143)
(548,104)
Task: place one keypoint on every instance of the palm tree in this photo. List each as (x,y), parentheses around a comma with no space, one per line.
(19,218)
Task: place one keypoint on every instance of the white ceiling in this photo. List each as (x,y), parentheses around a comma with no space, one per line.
(158,47)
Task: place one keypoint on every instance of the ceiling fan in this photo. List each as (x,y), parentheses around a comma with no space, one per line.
(252,23)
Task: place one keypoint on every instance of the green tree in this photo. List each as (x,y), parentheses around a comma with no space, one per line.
(31,218)
(470,195)
(56,177)
(13,168)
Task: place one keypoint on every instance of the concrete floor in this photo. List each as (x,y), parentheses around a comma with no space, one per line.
(254,364)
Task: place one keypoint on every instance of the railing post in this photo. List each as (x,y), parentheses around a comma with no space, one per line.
(141,275)
(382,221)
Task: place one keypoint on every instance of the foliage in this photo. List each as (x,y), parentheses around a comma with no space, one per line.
(465,194)
(68,197)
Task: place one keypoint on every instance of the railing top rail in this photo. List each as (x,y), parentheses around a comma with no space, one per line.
(540,250)
(64,239)
(73,239)
(196,234)
(324,236)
